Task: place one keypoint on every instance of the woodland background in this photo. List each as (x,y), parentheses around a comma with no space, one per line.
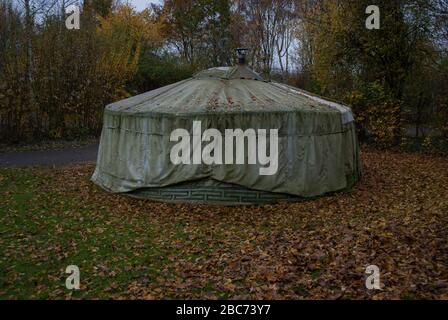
(55,82)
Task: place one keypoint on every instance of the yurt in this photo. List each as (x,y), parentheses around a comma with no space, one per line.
(227,136)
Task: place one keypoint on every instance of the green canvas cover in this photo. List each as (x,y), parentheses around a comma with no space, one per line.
(318,148)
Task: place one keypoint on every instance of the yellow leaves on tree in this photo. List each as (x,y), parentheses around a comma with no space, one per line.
(326,25)
(123,35)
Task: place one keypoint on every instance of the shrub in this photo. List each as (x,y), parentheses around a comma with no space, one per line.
(154,72)
(378,116)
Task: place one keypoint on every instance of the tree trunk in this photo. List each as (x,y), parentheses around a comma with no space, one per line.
(30,115)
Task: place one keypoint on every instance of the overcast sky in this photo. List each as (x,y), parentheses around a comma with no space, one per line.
(142,4)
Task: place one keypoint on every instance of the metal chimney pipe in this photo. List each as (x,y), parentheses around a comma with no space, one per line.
(241,54)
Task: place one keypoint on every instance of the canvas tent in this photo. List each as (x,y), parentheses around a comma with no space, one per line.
(317,144)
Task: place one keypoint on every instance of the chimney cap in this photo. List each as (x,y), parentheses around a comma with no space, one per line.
(241,54)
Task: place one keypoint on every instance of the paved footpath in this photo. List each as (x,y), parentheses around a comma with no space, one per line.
(49,157)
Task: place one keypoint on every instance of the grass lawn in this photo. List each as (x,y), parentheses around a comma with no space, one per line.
(395,218)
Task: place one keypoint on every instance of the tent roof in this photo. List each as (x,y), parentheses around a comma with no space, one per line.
(228,73)
(226,90)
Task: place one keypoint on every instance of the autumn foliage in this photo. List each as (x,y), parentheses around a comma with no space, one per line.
(55,82)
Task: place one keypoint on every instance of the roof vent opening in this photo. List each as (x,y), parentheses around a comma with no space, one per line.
(241,54)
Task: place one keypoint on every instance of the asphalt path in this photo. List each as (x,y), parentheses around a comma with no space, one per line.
(83,154)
